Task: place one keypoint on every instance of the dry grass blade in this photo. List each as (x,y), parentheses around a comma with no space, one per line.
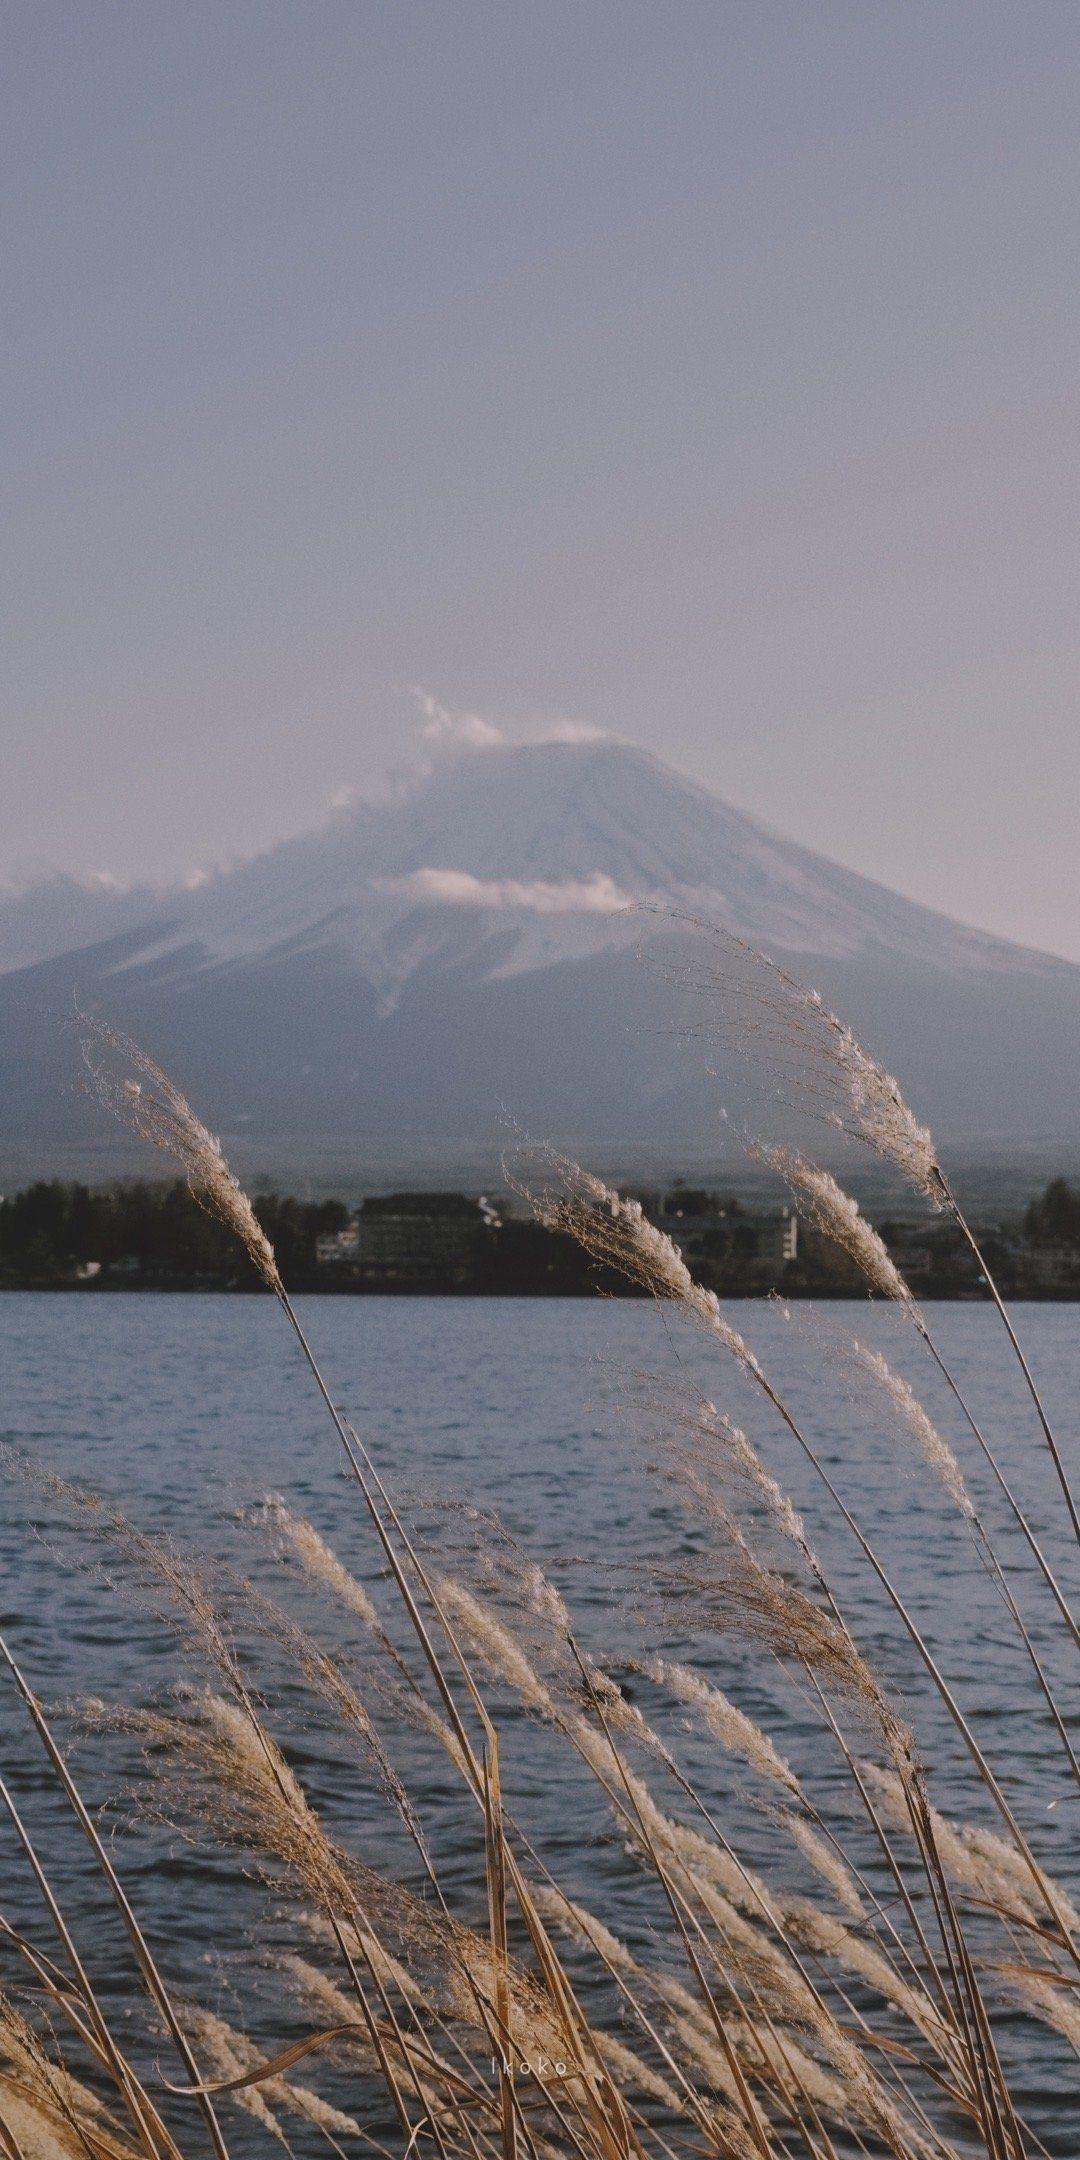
(232,2055)
(496,1888)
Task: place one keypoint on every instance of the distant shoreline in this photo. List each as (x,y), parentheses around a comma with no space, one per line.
(822,1293)
(156,1237)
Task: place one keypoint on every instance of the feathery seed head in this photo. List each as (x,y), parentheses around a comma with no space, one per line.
(837,1216)
(155,1108)
(935,1451)
(792,1030)
(617,1231)
(317,1559)
(730,1725)
(492,1641)
(825,1862)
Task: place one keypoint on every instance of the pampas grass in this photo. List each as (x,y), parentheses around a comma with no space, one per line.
(831,1978)
(129,1083)
(838,1217)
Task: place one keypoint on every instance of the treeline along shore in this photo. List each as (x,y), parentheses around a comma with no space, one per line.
(155,1236)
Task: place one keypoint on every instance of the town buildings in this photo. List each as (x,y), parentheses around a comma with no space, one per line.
(715,1233)
(422,1238)
(453,1240)
(339,1248)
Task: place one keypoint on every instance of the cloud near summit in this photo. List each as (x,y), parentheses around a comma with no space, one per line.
(452,727)
(594,895)
(446,733)
(442,724)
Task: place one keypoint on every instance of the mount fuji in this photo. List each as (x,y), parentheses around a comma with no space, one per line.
(379,997)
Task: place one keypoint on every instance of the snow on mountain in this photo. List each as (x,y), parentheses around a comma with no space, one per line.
(388,985)
(553,842)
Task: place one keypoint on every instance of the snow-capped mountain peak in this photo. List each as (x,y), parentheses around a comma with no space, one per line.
(416,965)
(552,842)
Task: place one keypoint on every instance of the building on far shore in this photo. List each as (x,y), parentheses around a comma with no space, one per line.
(461,1241)
(339,1248)
(418,1238)
(714,1232)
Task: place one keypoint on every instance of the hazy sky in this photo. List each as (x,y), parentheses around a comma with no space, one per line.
(707,372)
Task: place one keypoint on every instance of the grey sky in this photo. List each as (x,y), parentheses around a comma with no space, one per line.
(706,372)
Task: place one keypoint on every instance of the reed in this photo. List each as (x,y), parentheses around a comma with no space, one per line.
(785,1964)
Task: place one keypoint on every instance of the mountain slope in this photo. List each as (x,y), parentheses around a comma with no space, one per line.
(383,993)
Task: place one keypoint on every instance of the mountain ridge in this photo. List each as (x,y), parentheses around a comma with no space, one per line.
(390,983)
(83,910)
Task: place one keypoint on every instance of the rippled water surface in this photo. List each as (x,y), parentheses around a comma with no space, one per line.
(188,1410)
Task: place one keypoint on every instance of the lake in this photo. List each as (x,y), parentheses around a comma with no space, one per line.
(188,1410)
